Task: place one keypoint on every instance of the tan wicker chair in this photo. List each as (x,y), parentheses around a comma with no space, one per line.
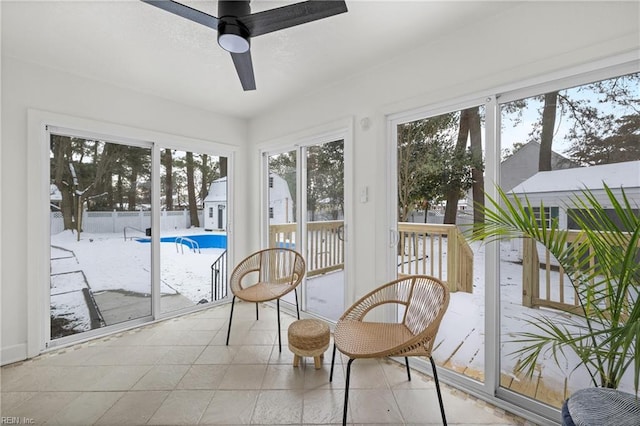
(425,301)
(267,275)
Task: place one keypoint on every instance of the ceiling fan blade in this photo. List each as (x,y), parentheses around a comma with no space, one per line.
(291,15)
(244,68)
(186,12)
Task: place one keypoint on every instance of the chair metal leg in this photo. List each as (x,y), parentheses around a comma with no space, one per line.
(406,362)
(257,311)
(346,392)
(279,341)
(233,301)
(295,291)
(435,377)
(333,361)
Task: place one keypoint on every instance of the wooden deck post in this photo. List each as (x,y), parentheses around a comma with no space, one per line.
(453,271)
(530,273)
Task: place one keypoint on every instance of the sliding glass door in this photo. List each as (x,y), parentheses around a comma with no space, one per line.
(323,226)
(305,195)
(100,203)
(555,146)
(439,163)
(193,229)
(104,247)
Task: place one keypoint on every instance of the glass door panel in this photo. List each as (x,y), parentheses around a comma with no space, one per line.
(554,146)
(193,223)
(324,229)
(320,179)
(440,181)
(282,208)
(100,202)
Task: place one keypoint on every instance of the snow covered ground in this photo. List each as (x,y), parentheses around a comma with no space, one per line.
(105,262)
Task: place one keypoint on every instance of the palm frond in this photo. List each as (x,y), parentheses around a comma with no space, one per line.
(603,266)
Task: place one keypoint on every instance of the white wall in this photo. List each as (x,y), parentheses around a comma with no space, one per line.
(27,87)
(1,199)
(526,42)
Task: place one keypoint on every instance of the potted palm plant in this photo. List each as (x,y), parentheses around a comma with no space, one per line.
(602,265)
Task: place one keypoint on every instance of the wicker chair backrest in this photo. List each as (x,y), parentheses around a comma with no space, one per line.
(428,302)
(273,266)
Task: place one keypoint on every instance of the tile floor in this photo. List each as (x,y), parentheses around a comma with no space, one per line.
(179,372)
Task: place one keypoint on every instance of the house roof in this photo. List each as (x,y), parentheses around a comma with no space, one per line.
(615,175)
(217,190)
(532,149)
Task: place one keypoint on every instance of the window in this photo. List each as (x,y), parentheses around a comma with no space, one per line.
(317,168)
(190,179)
(550,214)
(105,235)
(102,193)
(440,165)
(556,145)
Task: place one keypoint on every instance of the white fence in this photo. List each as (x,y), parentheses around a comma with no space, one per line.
(116,221)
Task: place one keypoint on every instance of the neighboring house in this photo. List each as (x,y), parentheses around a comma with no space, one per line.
(523,164)
(280,201)
(556,188)
(215,204)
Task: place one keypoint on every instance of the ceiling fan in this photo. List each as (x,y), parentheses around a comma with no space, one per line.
(236,25)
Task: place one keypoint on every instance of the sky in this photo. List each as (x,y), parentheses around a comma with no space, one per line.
(520,132)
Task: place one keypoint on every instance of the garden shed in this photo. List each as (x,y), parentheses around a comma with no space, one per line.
(215,204)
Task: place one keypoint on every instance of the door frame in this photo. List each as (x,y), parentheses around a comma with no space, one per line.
(340,130)
(39,124)
(490,389)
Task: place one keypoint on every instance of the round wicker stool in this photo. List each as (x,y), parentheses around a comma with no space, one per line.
(308,337)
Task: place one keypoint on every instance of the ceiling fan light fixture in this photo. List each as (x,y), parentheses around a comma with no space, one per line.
(236,25)
(233,38)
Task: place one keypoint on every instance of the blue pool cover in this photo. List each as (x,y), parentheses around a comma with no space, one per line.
(204,240)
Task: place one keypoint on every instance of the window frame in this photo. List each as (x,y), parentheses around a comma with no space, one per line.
(40,124)
(493,98)
(566,79)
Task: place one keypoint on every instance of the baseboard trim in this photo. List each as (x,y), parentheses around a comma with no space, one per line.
(11,354)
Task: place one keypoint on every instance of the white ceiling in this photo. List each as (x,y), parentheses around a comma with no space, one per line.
(137,46)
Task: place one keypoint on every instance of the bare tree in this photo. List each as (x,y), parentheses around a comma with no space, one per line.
(588,124)
(223,166)
(548,128)
(191,190)
(207,175)
(168,179)
(455,186)
(61,150)
(477,169)
(623,144)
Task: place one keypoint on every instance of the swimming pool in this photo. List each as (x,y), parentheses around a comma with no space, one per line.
(203,240)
